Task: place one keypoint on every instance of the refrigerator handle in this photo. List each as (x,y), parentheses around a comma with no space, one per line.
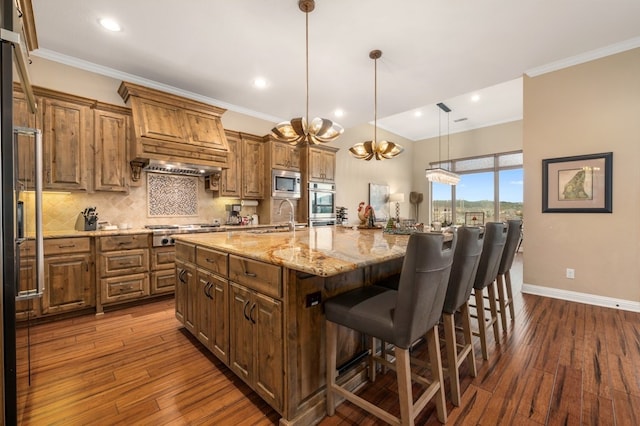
(38,202)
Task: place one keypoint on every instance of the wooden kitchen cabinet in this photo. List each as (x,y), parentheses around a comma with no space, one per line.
(253,173)
(67,132)
(321,164)
(282,155)
(185,306)
(245,177)
(163,277)
(27,308)
(256,350)
(22,117)
(212,323)
(123,268)
(112,127)
(212,301)
(230,178)
(68,275)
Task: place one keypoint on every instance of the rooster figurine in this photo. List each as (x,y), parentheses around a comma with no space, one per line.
(365,213)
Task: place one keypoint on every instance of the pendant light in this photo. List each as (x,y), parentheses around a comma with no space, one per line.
(372,149)
(438,174)
(298,131)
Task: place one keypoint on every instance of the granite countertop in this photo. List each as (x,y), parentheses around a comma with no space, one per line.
(322,251)
(131,231)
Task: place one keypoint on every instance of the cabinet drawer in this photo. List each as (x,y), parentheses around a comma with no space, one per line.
(124,262)
(262,277)
(163,258)
(123,242)
(185,252)
(163,281)
(66,245)
(124,288)
(212,260)
(27,249)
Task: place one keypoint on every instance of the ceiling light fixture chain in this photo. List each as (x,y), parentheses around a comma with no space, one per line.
(300,131)
(371,149)
(439,174)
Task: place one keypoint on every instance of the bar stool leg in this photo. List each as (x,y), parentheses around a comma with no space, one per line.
(494,312)
(466,330)
(433,344)
(331,354)
(405,393)
(502,301)
(512,310)
(452,357)
(482,328)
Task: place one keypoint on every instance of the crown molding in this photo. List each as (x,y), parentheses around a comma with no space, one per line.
(120,75)
(585,57)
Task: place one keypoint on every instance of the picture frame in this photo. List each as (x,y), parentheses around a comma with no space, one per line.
(577,184)
(474,218)
(379,201)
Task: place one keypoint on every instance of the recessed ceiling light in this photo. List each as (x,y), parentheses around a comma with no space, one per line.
(417,113)
(475,98)
(260,83)
(110,24)
(338,113)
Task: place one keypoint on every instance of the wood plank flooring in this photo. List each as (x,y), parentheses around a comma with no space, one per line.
(558,363)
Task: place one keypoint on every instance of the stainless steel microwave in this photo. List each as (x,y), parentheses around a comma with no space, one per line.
(285,184)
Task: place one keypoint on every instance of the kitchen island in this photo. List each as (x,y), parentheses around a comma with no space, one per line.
(255,301)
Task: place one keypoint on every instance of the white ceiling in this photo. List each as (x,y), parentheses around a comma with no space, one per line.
(433,51)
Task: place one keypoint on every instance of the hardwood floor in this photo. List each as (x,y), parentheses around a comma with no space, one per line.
(558,363)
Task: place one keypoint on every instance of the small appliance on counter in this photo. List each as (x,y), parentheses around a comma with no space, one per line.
(233,214)
(87,220)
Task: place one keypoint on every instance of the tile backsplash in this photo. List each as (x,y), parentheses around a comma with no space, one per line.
(61,210)
(172,196)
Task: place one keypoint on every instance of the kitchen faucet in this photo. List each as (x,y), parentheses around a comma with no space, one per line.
(292,223)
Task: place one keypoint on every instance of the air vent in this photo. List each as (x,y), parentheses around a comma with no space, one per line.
(457,120)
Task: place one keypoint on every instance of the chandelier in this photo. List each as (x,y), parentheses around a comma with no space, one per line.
(438,174)
(299,131)
(372,149)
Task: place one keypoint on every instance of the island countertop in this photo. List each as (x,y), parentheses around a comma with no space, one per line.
(322,251)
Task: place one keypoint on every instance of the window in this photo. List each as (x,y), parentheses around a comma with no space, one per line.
(490,189)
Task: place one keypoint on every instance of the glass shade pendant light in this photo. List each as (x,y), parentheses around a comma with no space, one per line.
(298,131)
(438,174)
(373,149)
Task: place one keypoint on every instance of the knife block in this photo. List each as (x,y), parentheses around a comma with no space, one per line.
(83,224)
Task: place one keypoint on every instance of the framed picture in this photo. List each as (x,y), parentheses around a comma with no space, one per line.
(473,218)
(580,184)
(379,200)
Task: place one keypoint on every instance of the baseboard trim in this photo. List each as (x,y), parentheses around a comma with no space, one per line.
(574,296)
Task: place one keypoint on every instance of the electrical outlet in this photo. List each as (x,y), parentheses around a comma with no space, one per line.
(571,273)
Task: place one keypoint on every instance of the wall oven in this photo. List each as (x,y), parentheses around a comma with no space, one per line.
(285,184)
(322,204)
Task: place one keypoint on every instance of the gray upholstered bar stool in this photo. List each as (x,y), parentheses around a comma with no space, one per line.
(495,236)
(503,280)
(398,317)
(463,273)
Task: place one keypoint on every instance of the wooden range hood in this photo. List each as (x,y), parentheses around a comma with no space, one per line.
(172,130)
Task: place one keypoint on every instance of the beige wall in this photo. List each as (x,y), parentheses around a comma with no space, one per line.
(585,109)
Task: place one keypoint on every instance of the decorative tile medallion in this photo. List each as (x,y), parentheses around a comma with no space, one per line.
(170,195)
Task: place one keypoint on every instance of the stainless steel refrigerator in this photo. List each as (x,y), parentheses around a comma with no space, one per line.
(20,160)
